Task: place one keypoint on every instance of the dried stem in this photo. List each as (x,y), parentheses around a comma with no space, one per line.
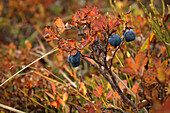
(113,83)
(111,61)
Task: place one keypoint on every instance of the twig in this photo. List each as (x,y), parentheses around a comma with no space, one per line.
(105,52)
(113,84)
(124,98)
(115,52)
(113,109)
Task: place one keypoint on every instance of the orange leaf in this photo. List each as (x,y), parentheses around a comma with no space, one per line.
(135,88)
(58,22)
(127,70)
(116,95)
(121,85)
(83,88)
(61,101)
(110,93)
(53,87)
(50,95)
(167,71)
(49,35)
(65,96)
(28,44)
(141,60)
(131,64)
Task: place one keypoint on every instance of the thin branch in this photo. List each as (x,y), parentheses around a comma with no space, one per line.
(124,98)
(98,62)
(105,52)
(113,109)
(113,83)
(115,52)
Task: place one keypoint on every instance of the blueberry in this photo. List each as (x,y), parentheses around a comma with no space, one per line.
(129,35)
(74,59)
(114,40)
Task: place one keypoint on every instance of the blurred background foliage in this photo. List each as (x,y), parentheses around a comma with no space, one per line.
(21,25)
(17,16)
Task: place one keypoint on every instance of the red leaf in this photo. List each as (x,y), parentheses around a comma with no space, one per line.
(38,97)
(85,10)
(165,106)
(100,89)
(110,93)
(96,93)
(53,87)
(54,104)
(121,85)
(96,76)
(73,18)
(130,27)
(71,41)
(135,88)
(142,104)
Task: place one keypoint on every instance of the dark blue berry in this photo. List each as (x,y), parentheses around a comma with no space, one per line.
(114,40)
(129,35)
(74,59)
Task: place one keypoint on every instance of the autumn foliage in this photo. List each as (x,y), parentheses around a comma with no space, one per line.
(132,76)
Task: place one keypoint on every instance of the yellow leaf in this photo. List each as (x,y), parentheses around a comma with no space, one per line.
(60,25)
(65,96)
(161,75)
(147,42)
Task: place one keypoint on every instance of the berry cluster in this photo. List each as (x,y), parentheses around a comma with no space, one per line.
(114,40)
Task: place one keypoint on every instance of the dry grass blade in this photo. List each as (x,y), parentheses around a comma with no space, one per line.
(11,109)
(53,50)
